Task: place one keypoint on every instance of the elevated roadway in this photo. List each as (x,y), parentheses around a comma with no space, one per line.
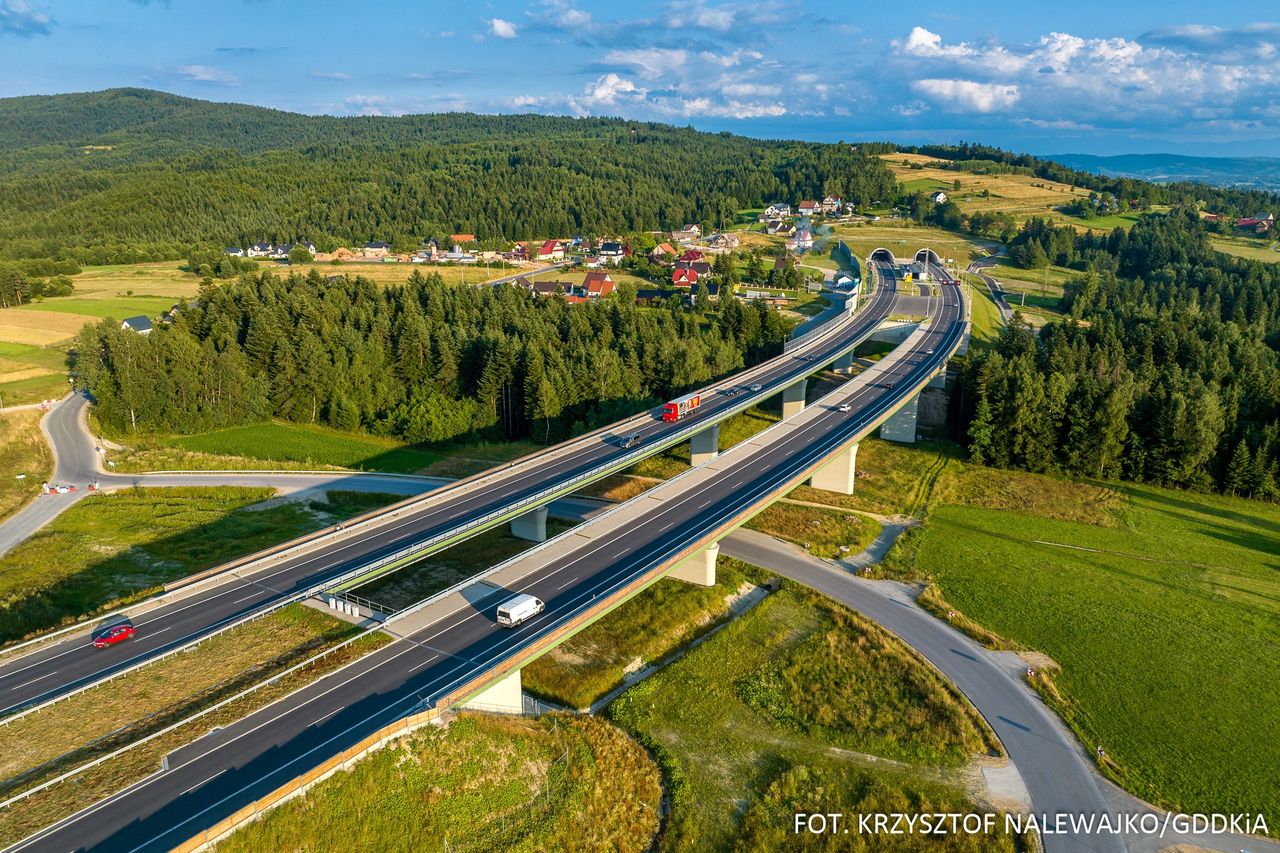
(412,529)
(452,649)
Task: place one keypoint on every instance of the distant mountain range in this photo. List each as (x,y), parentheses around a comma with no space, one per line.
(1262,173)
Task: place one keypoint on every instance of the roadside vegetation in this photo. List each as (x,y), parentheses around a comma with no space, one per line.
(105,718)
(111,549)
(29,373)
(645,630)
(23,450)
(831,533)
(482,783)
(66,798)
(782,711)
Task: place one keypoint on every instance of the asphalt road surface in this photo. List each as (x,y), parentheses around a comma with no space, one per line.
(52,670)
(225,770)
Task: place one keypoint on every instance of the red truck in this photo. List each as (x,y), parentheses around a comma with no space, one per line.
(677,409)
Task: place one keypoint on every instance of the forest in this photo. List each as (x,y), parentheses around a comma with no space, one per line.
(1166,371)
(130,175)
(424,362)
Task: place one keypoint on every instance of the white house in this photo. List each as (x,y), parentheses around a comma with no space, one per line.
(234,251)
(777,211)
(810,208)
(939,197)
(261,250)
(139,324)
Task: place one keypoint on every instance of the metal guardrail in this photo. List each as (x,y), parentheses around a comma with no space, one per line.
(455,533)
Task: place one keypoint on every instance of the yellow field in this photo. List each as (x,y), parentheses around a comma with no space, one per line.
(40,328)
(388,274)
(905,239)
(1021,195)
(153,279)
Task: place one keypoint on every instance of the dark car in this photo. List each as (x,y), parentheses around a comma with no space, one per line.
(631,440)
(886,384)
(114,634)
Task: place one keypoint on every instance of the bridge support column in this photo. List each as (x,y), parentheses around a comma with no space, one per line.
(939,381)
(699,569)
(705,445)
(837,475)
(502,697)
(844,364)
(901,425)
(532,525)
(793,398)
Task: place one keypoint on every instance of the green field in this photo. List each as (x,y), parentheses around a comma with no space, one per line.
(115,307)
(284,442)
(23,450)
(778,712)
(110,549)
(1253,248)
(1103,223)
(1162,608)
(984,316)
(481,784)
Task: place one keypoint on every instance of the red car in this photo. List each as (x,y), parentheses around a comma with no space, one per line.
(114,634)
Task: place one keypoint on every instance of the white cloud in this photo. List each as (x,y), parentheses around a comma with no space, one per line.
(208,74)
(748,90)
(651,62)
(606,89)
(968,95)
(20,18)
(502,29)
(696,13)
(332,75)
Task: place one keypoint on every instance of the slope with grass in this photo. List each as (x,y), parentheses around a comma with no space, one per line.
(779,712)
(111,549)
(1162,609)
(23,450)
(484,783)
(31,373)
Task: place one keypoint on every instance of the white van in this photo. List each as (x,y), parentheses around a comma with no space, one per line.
(519,609)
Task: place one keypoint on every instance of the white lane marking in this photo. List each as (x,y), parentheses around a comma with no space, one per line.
(669,526)
(566,583)
(34,680)
(328,715)
(253,594)
(198,784)
(621,554)
(424,663)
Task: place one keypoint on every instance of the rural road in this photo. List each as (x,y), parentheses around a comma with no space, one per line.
(997,292)
(1054,770)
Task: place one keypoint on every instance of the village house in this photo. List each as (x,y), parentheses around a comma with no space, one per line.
(691,255)
(234,251)
(1260,223)
(375,249)
(776,211)
(810,208)
(260,250)
(723,242)
(785,229)
(551,250)
(831,204)
(597,284)
(662,253)
(139,324)
(612,252)
(939,197)
(803,241)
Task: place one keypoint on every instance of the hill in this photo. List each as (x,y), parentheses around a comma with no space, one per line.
(127,175)
(1250,172)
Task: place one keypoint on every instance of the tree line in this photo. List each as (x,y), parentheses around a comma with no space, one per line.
(424,362)
(1166,370)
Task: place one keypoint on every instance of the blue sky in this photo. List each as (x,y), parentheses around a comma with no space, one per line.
(1112,77)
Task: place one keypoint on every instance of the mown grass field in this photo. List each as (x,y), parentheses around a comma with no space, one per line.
(23,450)
(1162,608)
(392,274)
(1022,195)
(1253,248)
(778,712)
(904,239)
(984,317)
(484,783)
(110,549)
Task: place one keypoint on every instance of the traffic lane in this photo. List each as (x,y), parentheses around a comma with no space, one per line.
(233,600)
(254,755)
(1051,765)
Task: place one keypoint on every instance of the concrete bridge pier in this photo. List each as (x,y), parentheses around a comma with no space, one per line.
(793,398)
(532,525)
(503,697)
(698,569)
(838,473)
(844,364)
(940,380)
(901,425)
(705,445)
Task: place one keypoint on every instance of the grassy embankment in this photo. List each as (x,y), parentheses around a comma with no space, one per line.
(484,783)
(111,549)
(782,711)
(1263,248)
(1160,608)
(23,450)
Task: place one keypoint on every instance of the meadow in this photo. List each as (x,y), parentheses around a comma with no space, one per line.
(23,450)
(780,712)
(1162,609)
(1253,248)
(114,548)
(483,783)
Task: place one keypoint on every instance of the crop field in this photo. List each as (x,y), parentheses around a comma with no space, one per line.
(483,783)
(392,274)
(1162,608)
(780,712)
(164,278)
(113,548)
